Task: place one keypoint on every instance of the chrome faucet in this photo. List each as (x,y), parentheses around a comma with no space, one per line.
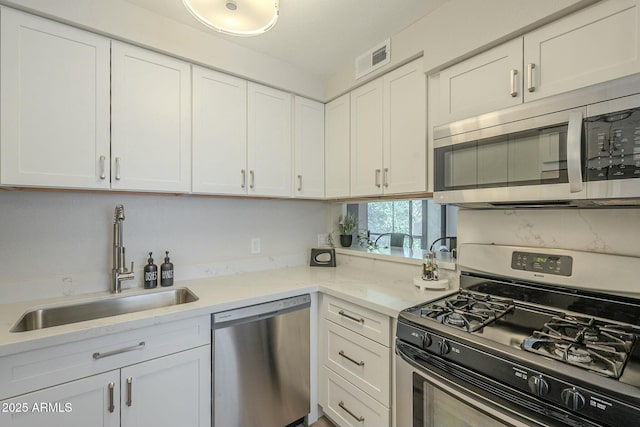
(119,271)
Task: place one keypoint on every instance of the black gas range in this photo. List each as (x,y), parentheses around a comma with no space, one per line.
(561,355)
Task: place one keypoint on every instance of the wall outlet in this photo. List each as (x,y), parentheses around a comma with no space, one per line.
(255,246)
(322,240)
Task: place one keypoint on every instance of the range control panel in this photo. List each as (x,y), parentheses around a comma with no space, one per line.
(560,265)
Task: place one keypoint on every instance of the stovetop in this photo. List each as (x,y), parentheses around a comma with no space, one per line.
(583,341)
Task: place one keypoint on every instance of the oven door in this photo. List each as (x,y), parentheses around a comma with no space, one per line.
(428,396)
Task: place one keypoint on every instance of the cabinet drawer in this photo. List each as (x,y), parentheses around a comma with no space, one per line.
(348,406)
(358,319)
(37,369)
(359,360)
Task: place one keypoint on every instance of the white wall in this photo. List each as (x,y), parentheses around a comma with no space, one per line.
(458,28)
(130,23)
(55,243)
(611,231)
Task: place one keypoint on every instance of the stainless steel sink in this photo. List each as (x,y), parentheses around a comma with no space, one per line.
(62,315)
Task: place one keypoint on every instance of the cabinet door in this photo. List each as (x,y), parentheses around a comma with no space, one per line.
(309,148)
(170,391)
(150,121)
(405,140)
(219,133)
(54,109)
(270,148)
(596,44)
(337,134)
(486,82)
(91,401)
(366,139)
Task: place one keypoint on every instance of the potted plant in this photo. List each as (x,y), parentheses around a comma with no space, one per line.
(347,225)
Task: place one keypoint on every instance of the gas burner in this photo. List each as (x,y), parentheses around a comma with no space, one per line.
(467,310)
(585,342)
(573,354)
(455,319)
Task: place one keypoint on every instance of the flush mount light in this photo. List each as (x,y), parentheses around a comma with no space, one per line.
(235,17)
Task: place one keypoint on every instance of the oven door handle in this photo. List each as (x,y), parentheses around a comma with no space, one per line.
(574,152)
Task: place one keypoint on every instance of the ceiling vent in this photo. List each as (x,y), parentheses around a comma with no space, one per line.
(375,58)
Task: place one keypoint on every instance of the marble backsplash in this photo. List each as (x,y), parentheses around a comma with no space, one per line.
(610,231)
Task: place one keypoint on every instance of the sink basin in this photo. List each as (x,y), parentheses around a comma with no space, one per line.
(62,315)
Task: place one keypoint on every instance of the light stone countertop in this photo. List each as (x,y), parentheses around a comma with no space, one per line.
(386,293)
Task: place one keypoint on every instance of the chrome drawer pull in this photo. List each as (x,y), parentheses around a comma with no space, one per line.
(97,356)
(244,178)
(103,174)
(355,319)
(530,85)
(129,391)
(355,362)
(111,405)
(359,419)
(514,91)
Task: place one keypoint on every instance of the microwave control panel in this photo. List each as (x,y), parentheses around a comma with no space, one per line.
(560,265)
(613,145)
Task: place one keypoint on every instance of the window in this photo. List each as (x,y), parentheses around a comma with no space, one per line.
(421,220)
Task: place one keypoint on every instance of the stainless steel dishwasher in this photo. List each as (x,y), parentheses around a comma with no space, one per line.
(261,364)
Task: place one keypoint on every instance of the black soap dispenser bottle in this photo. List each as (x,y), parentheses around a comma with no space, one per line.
(166,272)
(150,274)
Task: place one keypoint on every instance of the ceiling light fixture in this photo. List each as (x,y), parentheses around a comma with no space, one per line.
(235,17)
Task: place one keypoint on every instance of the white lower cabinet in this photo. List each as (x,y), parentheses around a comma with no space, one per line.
(355,376)
(80,403)
(156,376)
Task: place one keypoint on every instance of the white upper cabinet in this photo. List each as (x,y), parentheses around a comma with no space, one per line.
(405,140)
(366,139)
(489,81)
(337,115)
(594,45)
(308,148)
(388,134)
(150,121)
(269,142)
(599,43)
(54,109)
(219,133)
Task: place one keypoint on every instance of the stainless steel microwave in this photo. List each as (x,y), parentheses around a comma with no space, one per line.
(576,149)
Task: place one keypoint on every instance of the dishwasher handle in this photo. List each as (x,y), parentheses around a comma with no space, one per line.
(260,311)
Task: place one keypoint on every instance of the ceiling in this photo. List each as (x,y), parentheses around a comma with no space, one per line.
(319,36)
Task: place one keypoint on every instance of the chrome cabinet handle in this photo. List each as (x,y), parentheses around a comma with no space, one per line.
(530,86)
(129,391)
(299,182)
(117,168)
(355,417)
(253,179)
(514,90)
(378,178)
(355,362)
(574,155)
(385,178)
(111,404)
(243,183)
(140,346)
(355,319)
(103,170)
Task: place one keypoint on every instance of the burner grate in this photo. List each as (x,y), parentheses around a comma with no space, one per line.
(467,310)
(584,342)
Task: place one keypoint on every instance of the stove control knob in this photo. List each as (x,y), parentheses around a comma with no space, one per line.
(573,399)
(426,340)
(538,385)
(444,347)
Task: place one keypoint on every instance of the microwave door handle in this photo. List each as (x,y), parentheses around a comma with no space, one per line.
(574,152)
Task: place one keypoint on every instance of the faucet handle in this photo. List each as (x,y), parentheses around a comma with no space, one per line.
(131,271)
